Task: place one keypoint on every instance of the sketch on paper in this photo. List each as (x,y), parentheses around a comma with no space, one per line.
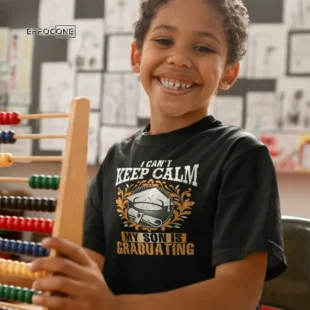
(56,12)
(267,51)
(51,126)
(283,149)
(110,135)
(299,61)
(228,110)
(121,15)
(4,44)
(119,48)
(86,51)
(120,98)
(89,86)
(260,111)
(93,138)
(57,87)
(293,95)
(21,47)
(297,13)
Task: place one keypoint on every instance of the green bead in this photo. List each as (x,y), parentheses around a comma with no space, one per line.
(32,181)
(1,291)
(39,181)
(8,292)
(13,293)
(57,181)
(45,182)
(5,291)
(21,294)
(54,182)
(28,296)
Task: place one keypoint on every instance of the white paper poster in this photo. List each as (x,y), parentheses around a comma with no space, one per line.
(121,15)
(297,13)
(57,87)
(86,51)
(267,51)
(4,44)
(120,99)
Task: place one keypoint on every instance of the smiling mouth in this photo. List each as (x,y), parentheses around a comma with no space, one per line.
(175,84)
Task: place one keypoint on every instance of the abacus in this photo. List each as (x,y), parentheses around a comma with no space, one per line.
(69,205)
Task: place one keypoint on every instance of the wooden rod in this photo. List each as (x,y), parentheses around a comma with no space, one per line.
(39,136)
(14,180)
(37,158)
(19,306)
(40,116)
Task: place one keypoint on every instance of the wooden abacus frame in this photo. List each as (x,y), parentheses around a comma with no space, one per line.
(72,188)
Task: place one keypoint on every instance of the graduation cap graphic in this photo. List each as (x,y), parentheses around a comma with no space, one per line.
(150,206)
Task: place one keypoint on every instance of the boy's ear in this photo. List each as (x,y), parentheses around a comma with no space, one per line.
(135,58)
(230,76)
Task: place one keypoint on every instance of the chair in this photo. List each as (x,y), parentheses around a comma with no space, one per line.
(291,290)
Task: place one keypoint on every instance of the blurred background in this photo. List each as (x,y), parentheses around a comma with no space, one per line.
(41,74)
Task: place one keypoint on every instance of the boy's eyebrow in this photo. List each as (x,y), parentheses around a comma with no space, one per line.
(199,33)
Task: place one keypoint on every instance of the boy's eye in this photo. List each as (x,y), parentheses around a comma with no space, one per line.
(164,42)
(203,49)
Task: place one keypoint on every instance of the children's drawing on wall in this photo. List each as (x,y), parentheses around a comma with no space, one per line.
(88,85)
(267,51)
(299,61)
(57,87)
(56,126)
(4,44)
(228,110)
(260,111)
(56,12)
(110,135)
(283,149)
(119,53)
(120,97)
(297,13)
(121,15)
(85,52)
(93,138)
(294,94)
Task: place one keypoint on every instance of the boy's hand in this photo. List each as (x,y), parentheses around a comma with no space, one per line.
(78,277)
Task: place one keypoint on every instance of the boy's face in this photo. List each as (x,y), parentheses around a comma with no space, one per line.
(183,59)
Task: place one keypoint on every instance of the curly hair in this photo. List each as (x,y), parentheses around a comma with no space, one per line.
(235,18)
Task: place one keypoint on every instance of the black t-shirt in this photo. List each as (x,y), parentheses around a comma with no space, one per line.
(166,209)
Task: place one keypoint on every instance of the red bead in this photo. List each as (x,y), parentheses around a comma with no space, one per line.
(14,118)
(51,226)
(44,227)
(30,224)
(6,118)
(37,225)
(9,222)
(16,223)
(1,118)
(2,222)
(23,223)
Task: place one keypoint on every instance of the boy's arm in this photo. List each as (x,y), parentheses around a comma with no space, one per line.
(237,285)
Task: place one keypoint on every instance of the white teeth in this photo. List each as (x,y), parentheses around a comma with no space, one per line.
(174,86)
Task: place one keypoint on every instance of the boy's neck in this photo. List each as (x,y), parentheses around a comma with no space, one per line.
(164,124)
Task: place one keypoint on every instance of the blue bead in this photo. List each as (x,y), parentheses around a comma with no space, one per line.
(1,245)
(3,137)
(14,248)
(7,245)
(20,247)
(47,252)
(27,249)
(10,137)
(36,250)
(41,251)
(33,249)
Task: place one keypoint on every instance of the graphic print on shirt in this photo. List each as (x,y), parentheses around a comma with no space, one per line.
(155,200)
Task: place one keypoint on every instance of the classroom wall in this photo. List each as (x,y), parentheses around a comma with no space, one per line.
(284,74)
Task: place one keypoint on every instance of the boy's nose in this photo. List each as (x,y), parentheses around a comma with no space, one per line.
(179,59)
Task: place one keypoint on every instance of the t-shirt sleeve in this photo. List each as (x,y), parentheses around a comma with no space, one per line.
(93,234)
(248,217)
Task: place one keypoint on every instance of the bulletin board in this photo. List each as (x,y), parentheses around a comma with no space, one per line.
(271,98)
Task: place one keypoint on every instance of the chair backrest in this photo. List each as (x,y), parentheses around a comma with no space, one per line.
(291,290)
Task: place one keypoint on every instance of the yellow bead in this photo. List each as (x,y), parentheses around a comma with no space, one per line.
(10,267)
(6,159)
(24,269)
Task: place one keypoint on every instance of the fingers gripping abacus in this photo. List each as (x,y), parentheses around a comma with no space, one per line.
(69,205)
